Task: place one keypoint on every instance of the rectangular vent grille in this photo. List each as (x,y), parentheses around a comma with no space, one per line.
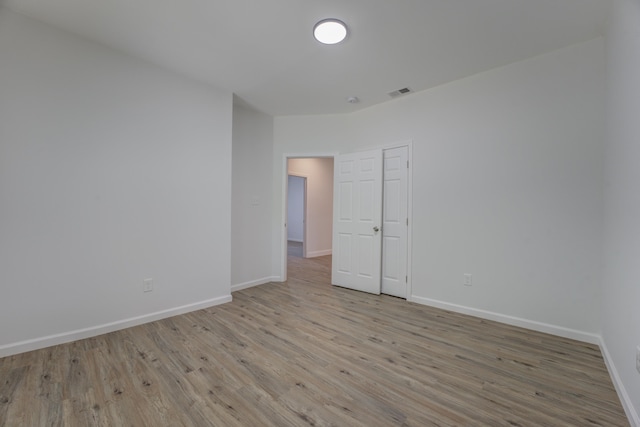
(399,92)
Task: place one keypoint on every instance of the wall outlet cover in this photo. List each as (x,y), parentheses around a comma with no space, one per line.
(467,279)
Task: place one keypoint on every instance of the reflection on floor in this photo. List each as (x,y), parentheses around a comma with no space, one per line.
(294,249)
(301,270)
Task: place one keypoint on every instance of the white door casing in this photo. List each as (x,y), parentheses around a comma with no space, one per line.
(395,221)
(357,217)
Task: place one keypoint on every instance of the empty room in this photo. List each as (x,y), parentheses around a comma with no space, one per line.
(468,258)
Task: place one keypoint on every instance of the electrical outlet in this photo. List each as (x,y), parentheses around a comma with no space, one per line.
(147,285)
(638,358)
(467,279)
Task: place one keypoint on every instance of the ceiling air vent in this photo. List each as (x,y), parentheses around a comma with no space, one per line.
(399,92)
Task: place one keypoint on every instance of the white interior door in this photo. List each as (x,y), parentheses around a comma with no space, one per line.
(357,216)
(395,222)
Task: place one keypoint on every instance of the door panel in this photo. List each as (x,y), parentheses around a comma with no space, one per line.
(394,226)
(342,254)
(357,213)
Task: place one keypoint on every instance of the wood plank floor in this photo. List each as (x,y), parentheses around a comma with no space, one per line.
(306,353)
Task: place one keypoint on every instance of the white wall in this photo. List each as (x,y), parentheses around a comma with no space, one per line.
(319,174)
(295,208)
(111,171)
(621,287)
(251,222)
(507,179)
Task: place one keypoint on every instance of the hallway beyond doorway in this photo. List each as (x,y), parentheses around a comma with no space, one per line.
(294,249)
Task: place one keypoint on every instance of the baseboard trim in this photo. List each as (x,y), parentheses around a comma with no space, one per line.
(511,320)
(627,404)
(253,283)
(79,334)
(625,400)
(318,253)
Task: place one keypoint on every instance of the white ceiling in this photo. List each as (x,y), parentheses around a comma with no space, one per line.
(263,50)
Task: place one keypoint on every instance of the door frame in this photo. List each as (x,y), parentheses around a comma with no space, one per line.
(284,173)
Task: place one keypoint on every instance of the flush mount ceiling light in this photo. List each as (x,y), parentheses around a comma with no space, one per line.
(330,31)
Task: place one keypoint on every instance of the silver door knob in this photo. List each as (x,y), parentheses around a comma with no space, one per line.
(376,229)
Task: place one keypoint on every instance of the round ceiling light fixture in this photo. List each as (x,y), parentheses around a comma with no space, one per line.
(330,31)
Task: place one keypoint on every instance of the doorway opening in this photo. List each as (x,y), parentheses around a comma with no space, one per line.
(296,215)
(308,227)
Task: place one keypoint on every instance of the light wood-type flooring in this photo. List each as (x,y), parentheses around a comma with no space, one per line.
(306,353)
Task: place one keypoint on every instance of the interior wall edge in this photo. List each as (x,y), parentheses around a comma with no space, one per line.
(79,334)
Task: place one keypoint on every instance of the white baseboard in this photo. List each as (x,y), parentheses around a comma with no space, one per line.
(627,404)
(65,337)
(314,254)
(510,320)
(253,283)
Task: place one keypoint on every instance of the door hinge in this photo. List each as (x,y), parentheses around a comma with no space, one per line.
(406,279)
(407,164)
(407,222)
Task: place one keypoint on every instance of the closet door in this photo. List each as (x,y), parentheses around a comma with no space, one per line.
(395,221)
(357,221)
